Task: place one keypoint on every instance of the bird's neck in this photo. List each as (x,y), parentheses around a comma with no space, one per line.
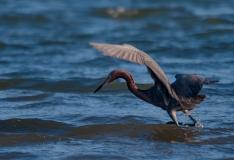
(132,86)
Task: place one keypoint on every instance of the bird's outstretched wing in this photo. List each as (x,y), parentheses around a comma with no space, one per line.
(130,53)
(189,85)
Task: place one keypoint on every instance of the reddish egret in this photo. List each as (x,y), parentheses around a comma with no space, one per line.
(181,95)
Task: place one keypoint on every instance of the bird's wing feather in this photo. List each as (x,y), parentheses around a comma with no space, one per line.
(189,85)
(130,53)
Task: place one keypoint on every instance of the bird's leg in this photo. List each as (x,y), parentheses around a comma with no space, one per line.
(191,117)
(172,114)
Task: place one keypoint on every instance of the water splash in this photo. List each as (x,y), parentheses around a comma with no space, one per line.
(198,121)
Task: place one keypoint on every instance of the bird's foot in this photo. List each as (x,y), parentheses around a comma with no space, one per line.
(197,124)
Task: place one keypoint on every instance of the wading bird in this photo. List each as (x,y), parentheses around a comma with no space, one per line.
(181,95)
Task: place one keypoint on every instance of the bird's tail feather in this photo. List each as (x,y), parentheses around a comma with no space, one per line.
(210,81)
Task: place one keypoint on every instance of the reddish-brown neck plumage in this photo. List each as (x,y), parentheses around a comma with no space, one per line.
(128,78)
(131,84)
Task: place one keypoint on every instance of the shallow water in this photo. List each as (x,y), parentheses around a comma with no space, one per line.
(48,73)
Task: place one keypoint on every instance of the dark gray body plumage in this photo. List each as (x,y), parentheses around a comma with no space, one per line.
(186,86)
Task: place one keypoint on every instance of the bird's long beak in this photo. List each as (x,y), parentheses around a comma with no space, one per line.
(101,86)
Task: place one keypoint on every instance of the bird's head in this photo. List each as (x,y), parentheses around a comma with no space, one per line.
(110,78)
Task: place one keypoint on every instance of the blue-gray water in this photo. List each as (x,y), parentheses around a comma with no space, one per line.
(48,73)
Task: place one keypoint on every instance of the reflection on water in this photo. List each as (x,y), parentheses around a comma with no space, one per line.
(48,73)
(160,133)
(38,131)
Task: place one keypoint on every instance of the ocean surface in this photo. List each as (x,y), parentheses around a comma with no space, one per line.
(48,72)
